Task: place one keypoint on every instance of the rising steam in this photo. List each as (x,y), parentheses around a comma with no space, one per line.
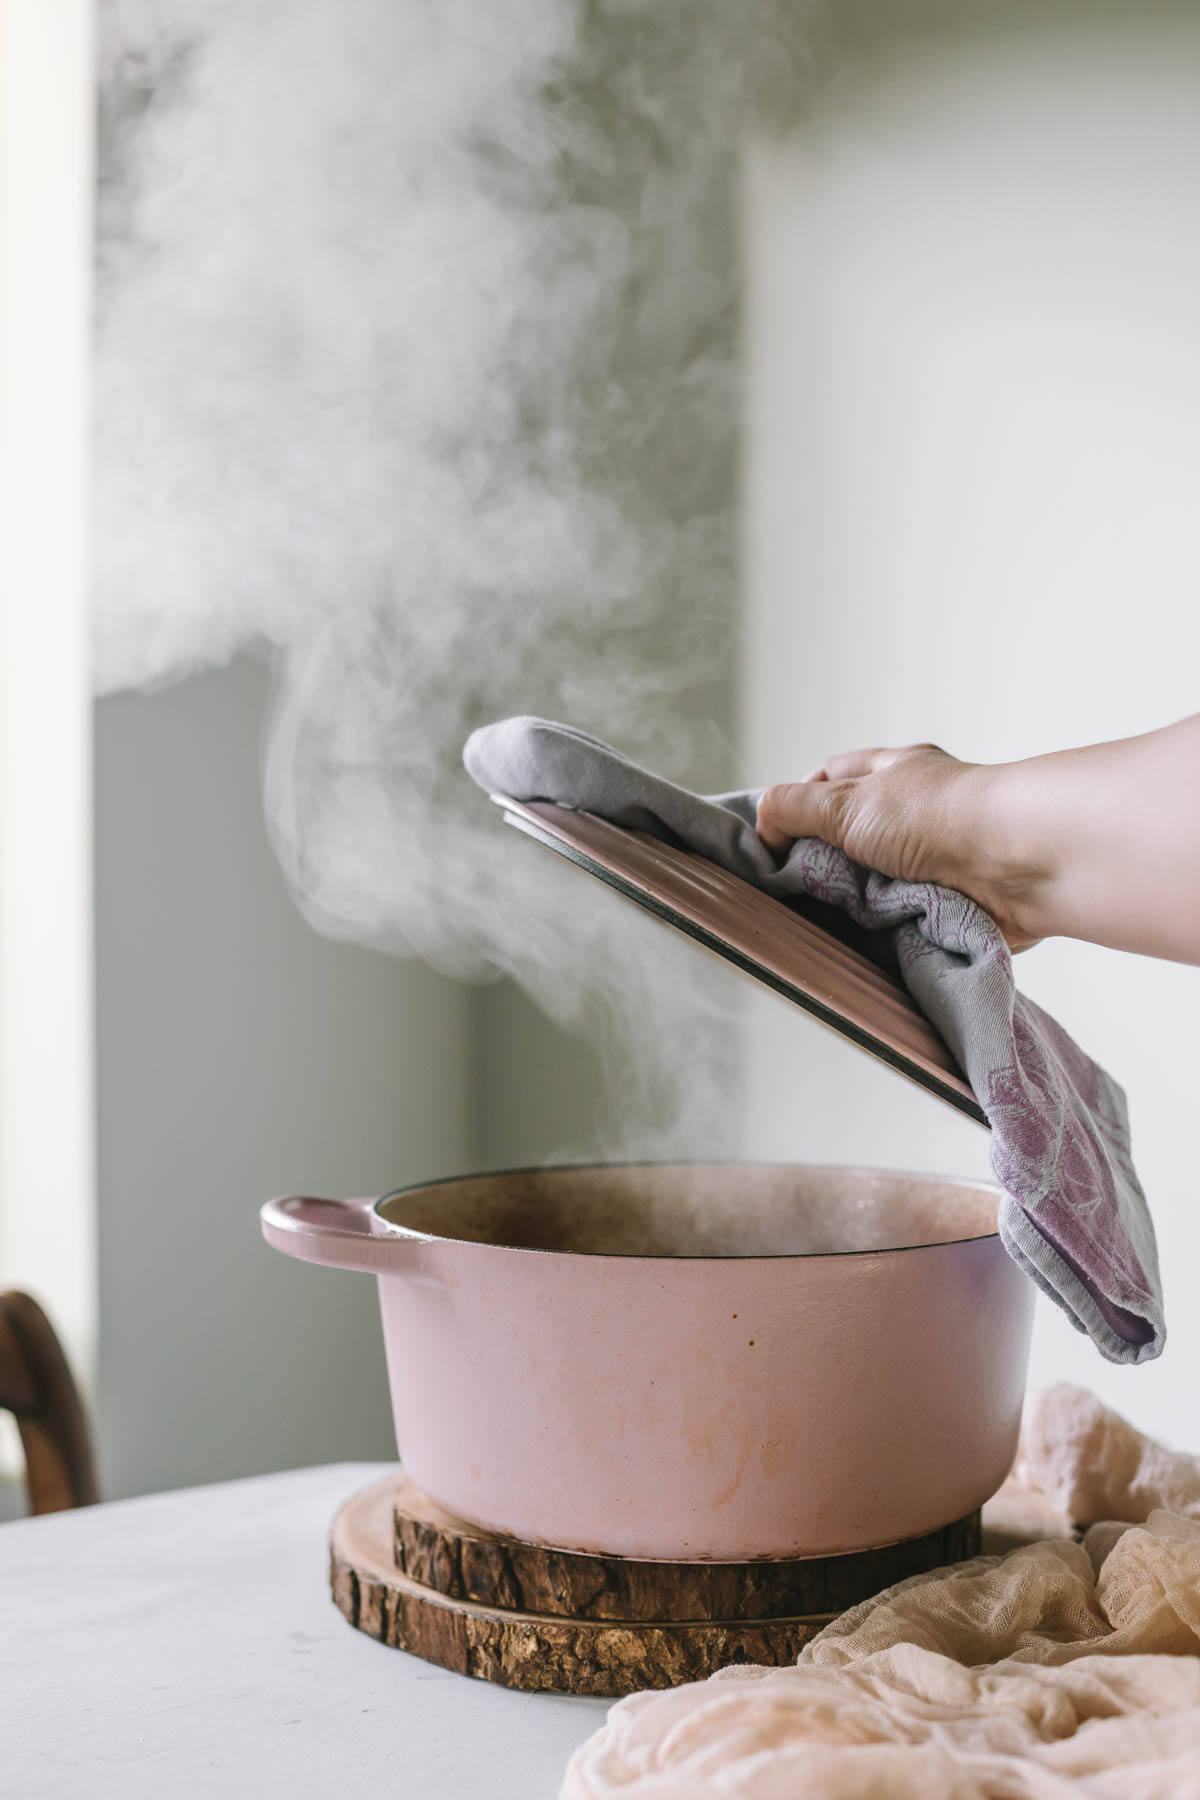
(418,367)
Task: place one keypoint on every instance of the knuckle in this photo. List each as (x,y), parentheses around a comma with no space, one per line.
(837,807)
(777,800)
(768,803)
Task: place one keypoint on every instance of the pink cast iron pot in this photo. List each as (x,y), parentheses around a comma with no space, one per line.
(692,1361)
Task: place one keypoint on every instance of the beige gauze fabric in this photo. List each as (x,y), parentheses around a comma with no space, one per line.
(1093,1465)
(1061,1669)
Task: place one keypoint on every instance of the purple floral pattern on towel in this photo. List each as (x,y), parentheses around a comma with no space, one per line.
(1073,1213)
(1061,1145)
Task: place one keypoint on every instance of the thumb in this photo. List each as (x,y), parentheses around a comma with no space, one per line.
(796,809)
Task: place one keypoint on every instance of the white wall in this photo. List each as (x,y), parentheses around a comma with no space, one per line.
(240,1055)
(975,450)
(47,1203)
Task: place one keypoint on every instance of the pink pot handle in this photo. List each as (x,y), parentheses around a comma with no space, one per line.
(343,1234)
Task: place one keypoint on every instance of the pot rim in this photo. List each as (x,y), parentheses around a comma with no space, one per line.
(390,1227)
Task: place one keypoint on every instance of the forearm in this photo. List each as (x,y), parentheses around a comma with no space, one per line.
(1100,843)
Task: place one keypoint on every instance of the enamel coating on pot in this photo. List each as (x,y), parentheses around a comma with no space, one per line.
(724,1408)
(712,1405)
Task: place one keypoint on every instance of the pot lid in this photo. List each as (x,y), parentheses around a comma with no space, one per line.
(813,957)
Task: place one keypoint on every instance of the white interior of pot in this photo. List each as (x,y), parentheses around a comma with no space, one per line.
(699,1209)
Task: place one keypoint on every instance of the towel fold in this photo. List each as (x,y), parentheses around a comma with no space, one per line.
(1073,1215)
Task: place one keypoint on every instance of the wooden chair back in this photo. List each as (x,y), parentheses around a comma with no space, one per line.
(37,1387)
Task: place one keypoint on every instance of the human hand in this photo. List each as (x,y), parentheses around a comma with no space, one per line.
(916,813)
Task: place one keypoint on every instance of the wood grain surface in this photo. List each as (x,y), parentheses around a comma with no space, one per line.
(465,1562)
(542,1620)
(37,1387)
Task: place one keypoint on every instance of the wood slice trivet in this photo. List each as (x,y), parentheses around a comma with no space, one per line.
(465,1562)
(553,1620)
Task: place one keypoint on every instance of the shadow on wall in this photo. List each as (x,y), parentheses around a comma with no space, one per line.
(242,1055)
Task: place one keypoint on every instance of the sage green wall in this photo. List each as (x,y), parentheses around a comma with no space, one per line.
(240,1055)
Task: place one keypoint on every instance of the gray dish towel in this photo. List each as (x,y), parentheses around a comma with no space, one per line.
(1073,1215)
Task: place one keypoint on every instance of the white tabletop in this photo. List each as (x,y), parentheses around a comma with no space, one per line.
(185,1644)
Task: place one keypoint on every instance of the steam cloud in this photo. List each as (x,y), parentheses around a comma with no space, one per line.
(418,368)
